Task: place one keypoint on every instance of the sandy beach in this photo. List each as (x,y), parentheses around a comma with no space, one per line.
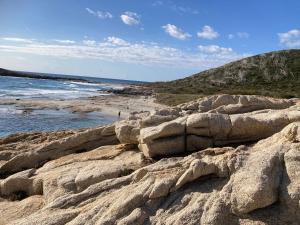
(108,105)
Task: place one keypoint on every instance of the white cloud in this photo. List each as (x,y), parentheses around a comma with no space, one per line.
(90,11)
(157,3)
(65,41)
(117,41)
(104,15)
(243,35)
(180,9)
(130,18)
(175,32)
(115,49)
(290,39)
(208,33)
(21,40)
(183,9)
(214,49)
(89,42)
(230,36)
(100,14)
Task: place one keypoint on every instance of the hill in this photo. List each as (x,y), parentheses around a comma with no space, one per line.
(275,74)
(11,73)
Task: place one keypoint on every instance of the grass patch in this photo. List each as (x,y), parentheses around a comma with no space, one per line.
(170,99)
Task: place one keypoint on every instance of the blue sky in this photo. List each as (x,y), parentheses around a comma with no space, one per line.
(141,40)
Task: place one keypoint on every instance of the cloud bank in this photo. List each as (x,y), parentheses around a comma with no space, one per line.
(115,49)
(290,39)
(100,14)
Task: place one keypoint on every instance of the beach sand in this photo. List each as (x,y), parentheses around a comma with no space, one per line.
(108,105)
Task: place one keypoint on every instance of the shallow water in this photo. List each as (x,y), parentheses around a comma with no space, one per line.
(13,87)
(13,120)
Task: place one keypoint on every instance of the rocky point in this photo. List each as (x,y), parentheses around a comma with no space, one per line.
(224,159)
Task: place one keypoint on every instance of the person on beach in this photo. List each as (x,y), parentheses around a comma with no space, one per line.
(119,114)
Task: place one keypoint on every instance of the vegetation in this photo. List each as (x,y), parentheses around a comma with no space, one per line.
(175,99)
(275,74)
(11,73)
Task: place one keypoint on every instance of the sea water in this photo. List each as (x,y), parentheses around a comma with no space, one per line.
(14,119)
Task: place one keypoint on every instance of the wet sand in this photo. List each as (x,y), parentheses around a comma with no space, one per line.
(109,105)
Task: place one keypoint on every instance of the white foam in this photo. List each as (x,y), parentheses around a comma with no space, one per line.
(10,110)
(61,90)
(85,84)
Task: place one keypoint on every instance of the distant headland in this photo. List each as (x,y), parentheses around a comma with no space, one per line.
(11,73)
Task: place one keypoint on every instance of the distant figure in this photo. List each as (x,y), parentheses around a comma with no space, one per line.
(119,114)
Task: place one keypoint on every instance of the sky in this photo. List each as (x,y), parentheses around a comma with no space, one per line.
(149,40)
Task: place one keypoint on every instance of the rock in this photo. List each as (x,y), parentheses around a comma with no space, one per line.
(132,91)
(209,125)
(154,120)
(156,140)
(202,130)
(163,146)
(251,127)
(289,193)
(168,129)
(194,143)
(189,170)
(234,104)
(21,183)
(262,185)
(127,131)
(215,127)
(14,210)
(47,150)
(137,217)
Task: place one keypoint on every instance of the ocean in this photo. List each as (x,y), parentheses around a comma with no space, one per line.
(14,120)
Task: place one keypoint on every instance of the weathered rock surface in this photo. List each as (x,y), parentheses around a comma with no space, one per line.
(234,104)
(128,130)
(88,177)
(40,149)
(202,130)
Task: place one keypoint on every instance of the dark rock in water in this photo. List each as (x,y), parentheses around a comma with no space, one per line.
(138,91)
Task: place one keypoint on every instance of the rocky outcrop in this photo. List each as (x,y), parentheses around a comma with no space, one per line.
(235,104)
(128,131)
(135,90)
(219,178)
(42,149)
(213,121)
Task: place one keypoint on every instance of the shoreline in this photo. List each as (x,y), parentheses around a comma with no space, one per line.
(66,77)
(94,111)
(109,105)
(34,113)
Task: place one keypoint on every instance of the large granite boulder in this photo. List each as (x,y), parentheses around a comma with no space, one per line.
(256,184)
(202,130)
(39,148)
(214,121)
(219,168)
(234,104)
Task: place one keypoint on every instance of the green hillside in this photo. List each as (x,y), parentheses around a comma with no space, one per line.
(274,74)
